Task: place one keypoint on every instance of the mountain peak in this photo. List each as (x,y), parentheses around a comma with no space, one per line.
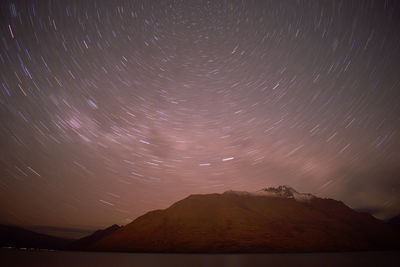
(285,191)
(270,220)
(282,191)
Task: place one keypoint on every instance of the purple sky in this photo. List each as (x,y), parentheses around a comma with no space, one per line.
(109,109)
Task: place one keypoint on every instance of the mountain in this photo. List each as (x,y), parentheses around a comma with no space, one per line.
(395,222)
(282,191)
(85,242)
(270,220)
(14,236)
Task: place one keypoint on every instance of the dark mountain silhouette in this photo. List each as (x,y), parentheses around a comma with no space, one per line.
(270,220)
(85,242)
(395,222)
(14,236)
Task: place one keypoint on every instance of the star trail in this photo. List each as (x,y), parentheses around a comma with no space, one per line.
(109,109)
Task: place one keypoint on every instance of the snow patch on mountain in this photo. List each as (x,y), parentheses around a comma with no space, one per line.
(282,191)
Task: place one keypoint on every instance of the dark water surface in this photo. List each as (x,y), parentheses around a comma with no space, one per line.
(11,257)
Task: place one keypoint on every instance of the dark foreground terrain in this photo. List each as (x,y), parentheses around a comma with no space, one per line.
(15,258)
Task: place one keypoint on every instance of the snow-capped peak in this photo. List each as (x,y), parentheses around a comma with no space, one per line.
(282,191)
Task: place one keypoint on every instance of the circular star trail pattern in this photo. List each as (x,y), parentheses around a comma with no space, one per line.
(112,108)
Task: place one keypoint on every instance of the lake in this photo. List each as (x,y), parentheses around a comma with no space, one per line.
(12,257)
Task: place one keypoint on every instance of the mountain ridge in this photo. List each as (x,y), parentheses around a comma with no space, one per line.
(283,191)
(83,243)
(248,222)
(18,237)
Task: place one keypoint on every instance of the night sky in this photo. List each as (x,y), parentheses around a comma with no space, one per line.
(109,109)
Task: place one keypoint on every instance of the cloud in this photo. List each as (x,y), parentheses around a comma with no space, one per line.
(374,188)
